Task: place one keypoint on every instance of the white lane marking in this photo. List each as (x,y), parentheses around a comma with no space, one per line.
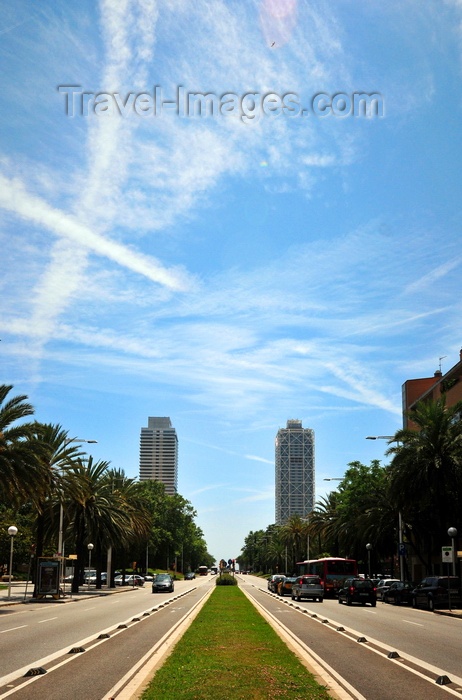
(13,628)
(49,619)
(418,624)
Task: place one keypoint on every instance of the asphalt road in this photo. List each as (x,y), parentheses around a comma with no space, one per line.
(428,645)
(42,635)
(135,622)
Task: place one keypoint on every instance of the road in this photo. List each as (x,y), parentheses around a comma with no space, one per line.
(108,636)
(111,636)
(427,644)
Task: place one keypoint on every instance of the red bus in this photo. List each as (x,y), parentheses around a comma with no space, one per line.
(332,571)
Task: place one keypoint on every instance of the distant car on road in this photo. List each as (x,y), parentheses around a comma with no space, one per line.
(383,585)
(357,590)
(436,591)
(92,579)
(190,576)
(285,586)
(273,582)
(308,587)
(399,592)
(163,583)
(131,580)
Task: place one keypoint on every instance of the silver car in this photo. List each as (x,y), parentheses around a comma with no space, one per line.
(308,587)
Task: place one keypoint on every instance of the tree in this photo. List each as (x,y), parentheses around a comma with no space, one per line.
(57,454)
(294,534)
(324,524)
(96,511)
(23,477)
(426,474)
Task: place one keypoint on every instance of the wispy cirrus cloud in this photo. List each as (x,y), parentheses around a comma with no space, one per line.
(14,198)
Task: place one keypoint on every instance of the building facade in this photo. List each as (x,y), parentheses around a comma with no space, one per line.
(448,385)
(159,453)
(294,463)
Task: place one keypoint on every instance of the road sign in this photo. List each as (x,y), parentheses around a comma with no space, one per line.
(402,549)
(446,554)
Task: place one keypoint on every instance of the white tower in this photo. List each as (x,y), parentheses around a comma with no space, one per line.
(159,453)
(294,461)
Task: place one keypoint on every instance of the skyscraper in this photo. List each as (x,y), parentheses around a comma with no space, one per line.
(294,471)
(159,453)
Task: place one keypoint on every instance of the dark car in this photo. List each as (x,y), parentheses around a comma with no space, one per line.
(273,582)
(398,592)
(285,586)
(163,583)
(436,591)
(358,590)
(383,585)
(189,576)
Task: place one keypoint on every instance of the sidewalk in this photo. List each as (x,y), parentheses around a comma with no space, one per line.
(19,594)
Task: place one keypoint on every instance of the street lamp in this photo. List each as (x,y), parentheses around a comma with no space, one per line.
(61,507)
(452,532)
(12,531)
(401,548)
(369,547)
(90,546)
(334,478)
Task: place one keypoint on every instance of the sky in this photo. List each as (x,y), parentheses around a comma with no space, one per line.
(285,252)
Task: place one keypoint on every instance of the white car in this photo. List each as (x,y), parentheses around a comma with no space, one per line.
(132,580)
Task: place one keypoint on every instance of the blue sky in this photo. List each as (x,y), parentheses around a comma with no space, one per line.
(229,273)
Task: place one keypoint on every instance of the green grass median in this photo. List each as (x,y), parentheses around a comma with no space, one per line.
(230,651)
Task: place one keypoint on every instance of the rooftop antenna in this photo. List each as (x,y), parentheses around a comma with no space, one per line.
(441,358)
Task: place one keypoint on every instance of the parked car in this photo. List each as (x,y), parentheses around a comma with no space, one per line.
(357,590)
(273,582)
(383,585)
(308,587)
(398,592)
(190,576)
(434,591)
(163,583)
(92,579)
(285,586)
(131,580)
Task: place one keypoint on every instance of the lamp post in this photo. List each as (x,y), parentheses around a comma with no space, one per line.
(306,520)
(90,547)
(61,507)
(67,442)
(12,531)
(369,547)
(452,532)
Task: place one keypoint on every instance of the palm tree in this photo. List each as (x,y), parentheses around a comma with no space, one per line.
(129,497)
(324,524)
(23,476)
(101,507)
(57,454)
(426,474)
(294,534)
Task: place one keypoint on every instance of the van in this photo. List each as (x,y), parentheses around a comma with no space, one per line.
(436,591)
